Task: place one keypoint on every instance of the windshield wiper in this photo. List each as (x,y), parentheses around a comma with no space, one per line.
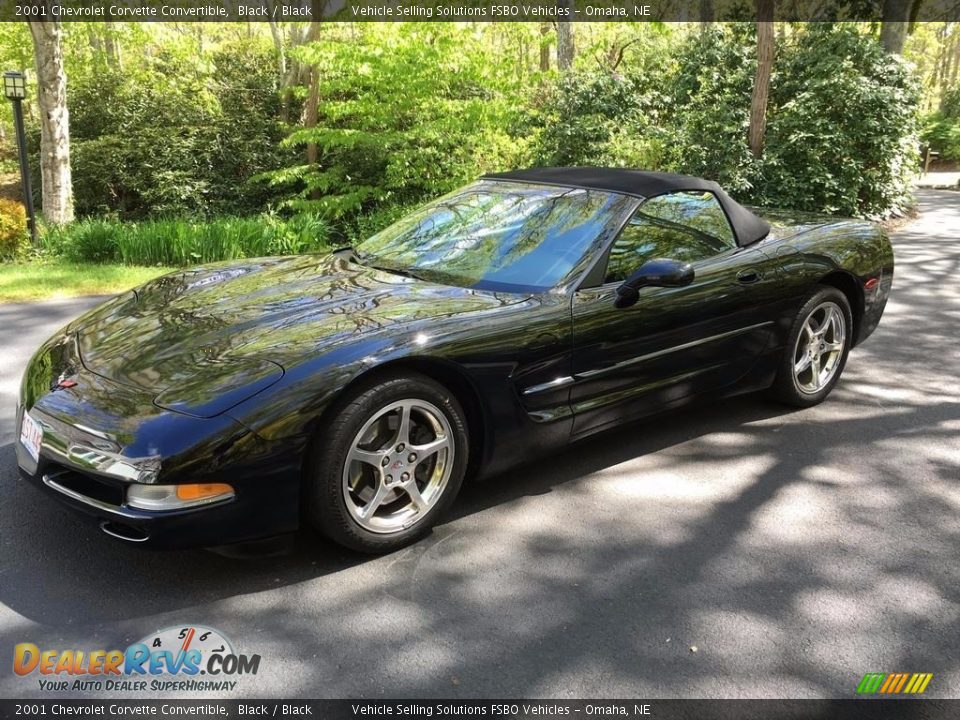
(348,254)
(353,256)
(395,271)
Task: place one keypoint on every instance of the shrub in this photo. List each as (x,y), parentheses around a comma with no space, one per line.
(408,112)
(372,221)
(842,134)
(950,104)
(709,108)
(14,237)
(686,114)
(942,134)
(585,109)
(85,240)
(841,120)
(177,137)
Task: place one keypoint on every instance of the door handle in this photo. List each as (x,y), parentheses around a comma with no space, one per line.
(748,276)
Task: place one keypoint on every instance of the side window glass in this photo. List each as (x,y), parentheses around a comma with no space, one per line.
(694,209)
(685,226)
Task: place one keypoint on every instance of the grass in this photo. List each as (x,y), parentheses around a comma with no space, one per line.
(179,242)
(44,280)
(97,256)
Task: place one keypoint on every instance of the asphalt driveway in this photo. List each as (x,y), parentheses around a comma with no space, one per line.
(795,550)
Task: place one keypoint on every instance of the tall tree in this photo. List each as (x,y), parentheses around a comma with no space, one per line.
(56,183)
(896,21)
(111,45)
(566,48)
(761,82)
(544,46)
(277,34)
(311,110)
(707,14)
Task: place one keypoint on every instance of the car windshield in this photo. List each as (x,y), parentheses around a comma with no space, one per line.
(500,236)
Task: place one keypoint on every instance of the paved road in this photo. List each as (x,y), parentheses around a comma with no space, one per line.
(795,550)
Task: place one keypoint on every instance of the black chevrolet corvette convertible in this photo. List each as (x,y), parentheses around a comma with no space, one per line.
(355,391)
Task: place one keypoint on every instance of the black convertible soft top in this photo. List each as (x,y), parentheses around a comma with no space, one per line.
(747,227)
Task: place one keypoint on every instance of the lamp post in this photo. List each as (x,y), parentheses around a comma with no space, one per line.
(15,89)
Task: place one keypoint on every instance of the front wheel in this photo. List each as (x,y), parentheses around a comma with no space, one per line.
(389,466)
(816,350)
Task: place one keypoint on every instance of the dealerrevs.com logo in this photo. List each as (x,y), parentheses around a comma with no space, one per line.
(192,658)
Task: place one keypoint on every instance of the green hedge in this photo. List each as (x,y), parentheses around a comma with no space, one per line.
(841,120)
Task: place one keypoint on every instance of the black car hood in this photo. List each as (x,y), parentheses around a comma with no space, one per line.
(239,324)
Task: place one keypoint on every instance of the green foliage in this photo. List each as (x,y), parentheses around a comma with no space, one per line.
(188,125)
(177,136)
(841,120)
(950,104)
(601,118)
(687,113)
(942,135)
(373,220)
(941,129)
(14,237)
(709,108)
(185,242)
(406,112)
(842,136)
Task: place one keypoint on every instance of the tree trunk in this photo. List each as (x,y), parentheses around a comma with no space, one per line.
(761,83)
(56,183)
(112,45)
(893,35)
(913,16)
(940,72)
(277,36)
(544,47)
(281,52)
(954,64)
(566,50)
(312,109)
(311,112)
(895,24)
(290,79)
(707,14)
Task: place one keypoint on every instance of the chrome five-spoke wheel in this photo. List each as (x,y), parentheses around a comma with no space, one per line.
(819,348)
(398,466)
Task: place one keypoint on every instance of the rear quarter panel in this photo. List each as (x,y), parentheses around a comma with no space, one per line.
(856,249)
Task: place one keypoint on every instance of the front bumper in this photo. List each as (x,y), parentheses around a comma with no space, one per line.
(265,503)
(97,436)
(225,523)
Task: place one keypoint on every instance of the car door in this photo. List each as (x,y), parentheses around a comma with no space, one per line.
(674,342)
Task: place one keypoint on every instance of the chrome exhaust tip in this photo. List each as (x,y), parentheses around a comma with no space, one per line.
(123,532)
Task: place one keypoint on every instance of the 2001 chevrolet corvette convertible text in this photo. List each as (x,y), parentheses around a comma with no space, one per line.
(358,389)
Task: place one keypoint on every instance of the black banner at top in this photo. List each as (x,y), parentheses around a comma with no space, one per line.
(479,10)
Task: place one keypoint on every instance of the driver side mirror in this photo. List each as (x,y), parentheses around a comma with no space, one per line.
(659,272)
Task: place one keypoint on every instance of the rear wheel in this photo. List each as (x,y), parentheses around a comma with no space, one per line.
(816,350)
(389,466)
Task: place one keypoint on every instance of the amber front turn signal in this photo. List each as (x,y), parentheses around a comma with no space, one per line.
(203,491)
(174,497)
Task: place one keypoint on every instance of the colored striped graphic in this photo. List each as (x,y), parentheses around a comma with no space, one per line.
(894,683)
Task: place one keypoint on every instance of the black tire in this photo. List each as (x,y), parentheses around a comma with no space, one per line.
(325,504)
(787,388)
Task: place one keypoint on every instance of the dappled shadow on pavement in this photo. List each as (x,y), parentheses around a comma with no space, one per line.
(794,550)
